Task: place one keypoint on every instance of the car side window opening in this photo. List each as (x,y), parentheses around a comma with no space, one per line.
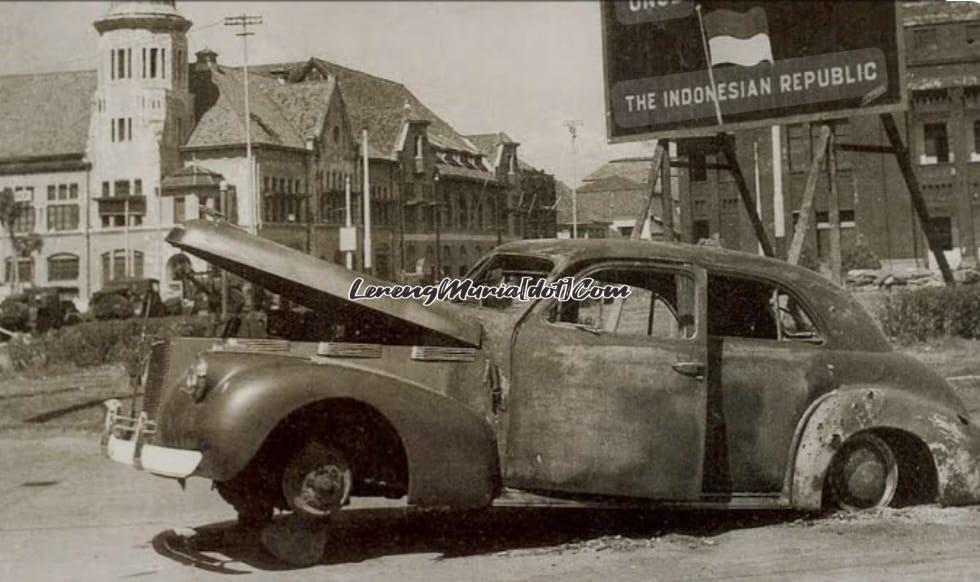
(660,304)
(754,309)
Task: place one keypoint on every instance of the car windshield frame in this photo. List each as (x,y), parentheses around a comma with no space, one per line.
(490,263)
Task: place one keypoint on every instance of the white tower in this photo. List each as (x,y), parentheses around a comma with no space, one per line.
(143,113)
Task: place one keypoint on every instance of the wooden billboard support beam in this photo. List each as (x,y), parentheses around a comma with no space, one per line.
(656,169)
(806,207)
(918,202)
(727,146)
(667,197)
(833,211)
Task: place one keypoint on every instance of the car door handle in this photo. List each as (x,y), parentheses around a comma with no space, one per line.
(692,369)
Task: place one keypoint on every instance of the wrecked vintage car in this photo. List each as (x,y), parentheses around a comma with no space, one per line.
(723,380)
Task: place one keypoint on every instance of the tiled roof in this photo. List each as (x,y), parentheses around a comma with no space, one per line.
(281,114)
(633,169)
(938,12)
(613,183)
(376,103)
(45,115)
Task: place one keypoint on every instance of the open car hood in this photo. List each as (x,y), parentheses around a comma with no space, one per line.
(317,284)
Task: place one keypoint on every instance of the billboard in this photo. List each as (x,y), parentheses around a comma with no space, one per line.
(681,68)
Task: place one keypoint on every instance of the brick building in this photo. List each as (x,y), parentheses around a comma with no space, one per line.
(941,129)
(103,163)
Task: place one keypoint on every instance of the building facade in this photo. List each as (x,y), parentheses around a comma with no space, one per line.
(104,163)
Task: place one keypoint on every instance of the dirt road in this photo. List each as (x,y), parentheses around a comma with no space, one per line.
(68,514)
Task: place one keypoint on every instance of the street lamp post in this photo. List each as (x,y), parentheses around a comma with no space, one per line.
(436,218)
(223,188)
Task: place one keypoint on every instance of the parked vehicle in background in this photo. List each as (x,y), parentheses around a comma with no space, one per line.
(724,380)
(38,309)
(125,298)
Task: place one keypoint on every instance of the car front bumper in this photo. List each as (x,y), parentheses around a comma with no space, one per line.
(124,441)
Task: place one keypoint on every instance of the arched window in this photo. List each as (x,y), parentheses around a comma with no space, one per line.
(418,147)
(63,267)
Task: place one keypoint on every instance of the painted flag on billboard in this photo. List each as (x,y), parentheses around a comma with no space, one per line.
(739,38)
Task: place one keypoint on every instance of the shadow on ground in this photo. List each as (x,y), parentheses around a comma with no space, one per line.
(358,535)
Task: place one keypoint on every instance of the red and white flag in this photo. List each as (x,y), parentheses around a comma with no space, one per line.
(739,38)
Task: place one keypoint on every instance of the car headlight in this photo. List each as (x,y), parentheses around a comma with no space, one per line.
(197,380)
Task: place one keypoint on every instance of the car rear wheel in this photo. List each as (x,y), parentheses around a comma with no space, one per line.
(863,474)
(317,480)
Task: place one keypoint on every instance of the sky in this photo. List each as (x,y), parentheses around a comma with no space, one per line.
(519,67)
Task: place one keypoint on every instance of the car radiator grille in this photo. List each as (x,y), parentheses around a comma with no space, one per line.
(156,370)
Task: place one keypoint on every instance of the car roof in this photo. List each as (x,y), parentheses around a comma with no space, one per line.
(847,321)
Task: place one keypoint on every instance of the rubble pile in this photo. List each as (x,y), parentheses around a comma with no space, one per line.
(868,279)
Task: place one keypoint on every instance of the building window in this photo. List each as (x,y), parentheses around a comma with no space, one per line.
(180,209)
(153,63)
(137,187)
(73,191)
(105,190)
(120,63)
(925,38)
(24,219)
(941,229)
(114,266)
(798,155)
(163,63)
(51,192)
(144,63)
(936,144)
(63,217)
(63,267)
(25,269)
(121,188)
(697,167)
(419,150)
(976,142)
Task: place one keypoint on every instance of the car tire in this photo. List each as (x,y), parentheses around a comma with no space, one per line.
(863,474)
(317,480)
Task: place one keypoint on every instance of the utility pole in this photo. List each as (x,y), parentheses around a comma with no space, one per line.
(366,183)
(244,21)
(573,125)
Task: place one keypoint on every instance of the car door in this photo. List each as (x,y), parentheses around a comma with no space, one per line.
(608,397)
(766,364)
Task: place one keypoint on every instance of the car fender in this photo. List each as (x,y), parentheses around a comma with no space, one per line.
(451,450)
(837,415)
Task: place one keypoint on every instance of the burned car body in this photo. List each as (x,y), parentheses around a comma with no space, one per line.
(723,380)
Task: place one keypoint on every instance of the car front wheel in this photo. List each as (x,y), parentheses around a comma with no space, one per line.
(863,474)
(317,480)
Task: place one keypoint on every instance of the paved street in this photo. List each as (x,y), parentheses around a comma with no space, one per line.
(66,513)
